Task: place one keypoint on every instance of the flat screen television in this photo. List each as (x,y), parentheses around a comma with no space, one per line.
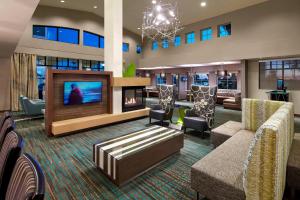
(77,93)
(280,84)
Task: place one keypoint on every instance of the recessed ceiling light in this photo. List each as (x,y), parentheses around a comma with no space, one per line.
(62,1)
(138,28)
(203,4)
(95,7)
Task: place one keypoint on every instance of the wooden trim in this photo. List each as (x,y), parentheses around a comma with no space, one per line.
(120,82)
(49,101)
(72,125)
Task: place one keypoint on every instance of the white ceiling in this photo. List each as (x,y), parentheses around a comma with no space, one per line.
(190,11)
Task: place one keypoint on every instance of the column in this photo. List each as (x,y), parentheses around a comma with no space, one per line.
(113,55)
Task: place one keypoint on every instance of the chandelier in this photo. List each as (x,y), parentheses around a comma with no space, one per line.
(161,21)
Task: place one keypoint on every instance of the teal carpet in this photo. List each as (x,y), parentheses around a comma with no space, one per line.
(70,172)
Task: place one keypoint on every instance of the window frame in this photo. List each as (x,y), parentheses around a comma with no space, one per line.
(57,33)
(175,44)
(201,34)
(99,37)
(165,42)
(187,38)
(128,46)
(219,32)
(156,46)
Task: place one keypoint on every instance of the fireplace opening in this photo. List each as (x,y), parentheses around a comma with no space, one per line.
(133,98)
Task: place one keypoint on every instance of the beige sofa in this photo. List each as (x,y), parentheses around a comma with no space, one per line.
(233,170)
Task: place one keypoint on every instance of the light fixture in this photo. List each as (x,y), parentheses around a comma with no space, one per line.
(203,4)
(138,28)
(95,7)
(158,8)
(62,1)
(161,21)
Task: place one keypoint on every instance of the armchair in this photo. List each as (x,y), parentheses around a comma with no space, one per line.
(201,116)
(32,107)
(163,110)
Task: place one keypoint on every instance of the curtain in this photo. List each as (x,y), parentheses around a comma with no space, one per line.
(23,78)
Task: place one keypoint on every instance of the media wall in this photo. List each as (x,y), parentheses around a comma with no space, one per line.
(56,108)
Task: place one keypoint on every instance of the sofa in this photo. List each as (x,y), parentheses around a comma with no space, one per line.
(251,164)
(233,103)
(224,94)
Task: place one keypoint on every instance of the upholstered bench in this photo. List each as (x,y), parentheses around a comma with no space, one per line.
(293,166)
(222,133)
(222,169)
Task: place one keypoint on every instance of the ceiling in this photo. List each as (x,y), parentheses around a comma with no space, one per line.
(190,11)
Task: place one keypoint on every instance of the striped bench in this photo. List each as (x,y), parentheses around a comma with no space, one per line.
(125,157)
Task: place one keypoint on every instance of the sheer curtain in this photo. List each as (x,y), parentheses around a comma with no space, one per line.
(23,78)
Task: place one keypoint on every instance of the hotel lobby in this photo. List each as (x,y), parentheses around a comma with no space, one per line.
(150,99)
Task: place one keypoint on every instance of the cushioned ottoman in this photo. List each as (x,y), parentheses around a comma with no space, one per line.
(222,133)
(293,167)
(219,175)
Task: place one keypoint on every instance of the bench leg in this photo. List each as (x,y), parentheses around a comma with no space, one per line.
(198,196)
(149,120)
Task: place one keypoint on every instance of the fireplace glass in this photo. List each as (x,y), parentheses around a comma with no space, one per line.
(133,98)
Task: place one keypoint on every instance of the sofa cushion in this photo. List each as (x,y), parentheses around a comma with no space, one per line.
(222,169)
(293,167)
(197,123)
(222,133)
(157,114)
(230,100)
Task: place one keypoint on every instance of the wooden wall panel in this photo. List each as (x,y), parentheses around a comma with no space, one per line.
(55,108)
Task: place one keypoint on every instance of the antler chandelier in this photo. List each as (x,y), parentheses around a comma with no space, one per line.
(161,21)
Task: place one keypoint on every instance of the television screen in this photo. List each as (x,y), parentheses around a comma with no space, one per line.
(76,93)
(280,84)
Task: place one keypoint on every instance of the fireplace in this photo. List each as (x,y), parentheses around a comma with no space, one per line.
(133,98)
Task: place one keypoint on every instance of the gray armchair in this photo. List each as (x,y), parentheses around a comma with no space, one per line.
(201,116)
(163,110)
(32,107)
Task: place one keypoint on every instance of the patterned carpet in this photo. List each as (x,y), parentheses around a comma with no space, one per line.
(70,172)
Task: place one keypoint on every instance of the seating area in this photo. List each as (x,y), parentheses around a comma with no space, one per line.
(150,99)
(233,170)
(21,176)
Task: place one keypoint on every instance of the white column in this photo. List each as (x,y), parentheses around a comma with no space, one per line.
(113,55)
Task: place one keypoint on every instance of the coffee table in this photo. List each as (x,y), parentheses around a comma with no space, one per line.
(123,158)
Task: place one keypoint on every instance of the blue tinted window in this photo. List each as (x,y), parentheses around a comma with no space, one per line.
(160,79)
(177,41)
(206,34)
(101,42)
(62,62)
(201,79)
(68,35)
(190,38)
(90,39)
(224,30)
(154,45)
(138,49)
(125,47)
(165,44)
(46,33)
(73,63)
